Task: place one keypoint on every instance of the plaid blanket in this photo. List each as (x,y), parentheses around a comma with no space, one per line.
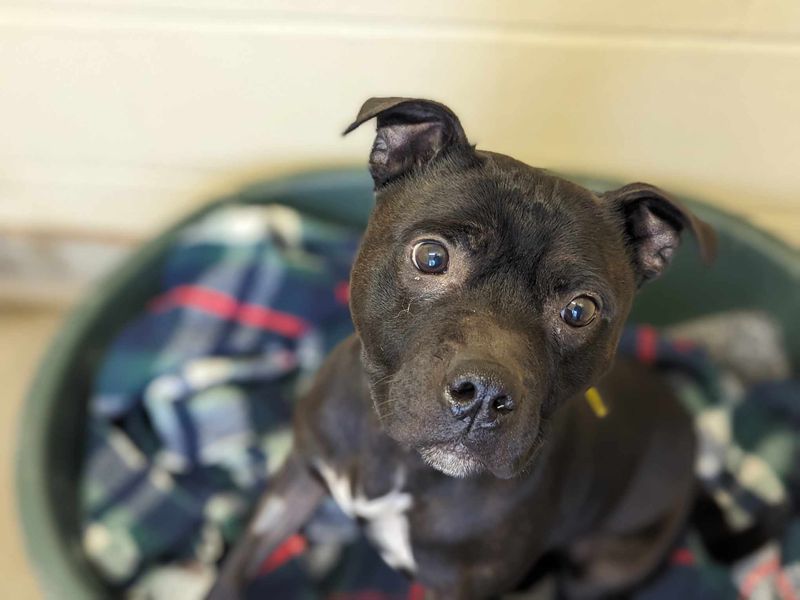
(191,408)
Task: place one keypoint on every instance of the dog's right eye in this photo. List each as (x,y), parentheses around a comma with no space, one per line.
(430,257)
(580,311)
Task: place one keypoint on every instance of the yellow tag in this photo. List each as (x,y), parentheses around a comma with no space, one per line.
(596,403)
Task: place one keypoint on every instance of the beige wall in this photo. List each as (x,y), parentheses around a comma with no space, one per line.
(118,115)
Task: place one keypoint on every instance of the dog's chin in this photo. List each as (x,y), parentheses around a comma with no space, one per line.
(452,459)
(457,460)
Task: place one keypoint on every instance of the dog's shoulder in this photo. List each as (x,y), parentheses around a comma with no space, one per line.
(647,415)
(333,418)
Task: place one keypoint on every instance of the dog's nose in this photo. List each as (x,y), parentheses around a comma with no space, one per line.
(479,391)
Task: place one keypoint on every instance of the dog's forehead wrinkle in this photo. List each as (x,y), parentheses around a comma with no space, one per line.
(516,208)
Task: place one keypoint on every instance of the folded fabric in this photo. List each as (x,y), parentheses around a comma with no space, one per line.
(191,406)
(191,410)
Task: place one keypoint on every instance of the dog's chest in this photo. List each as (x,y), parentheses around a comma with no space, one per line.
(385,516)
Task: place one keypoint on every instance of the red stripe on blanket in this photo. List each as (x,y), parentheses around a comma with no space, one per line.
(682,557)
(293,546)
(646,344)
(227,307)
(416,592)
(342,292)
(755,576)
(785,587)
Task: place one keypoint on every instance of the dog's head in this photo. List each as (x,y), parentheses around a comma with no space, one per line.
(486,291)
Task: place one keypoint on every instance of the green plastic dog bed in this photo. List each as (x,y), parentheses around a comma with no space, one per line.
(753,270)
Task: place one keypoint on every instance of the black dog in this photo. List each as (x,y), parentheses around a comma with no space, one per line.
(487,297)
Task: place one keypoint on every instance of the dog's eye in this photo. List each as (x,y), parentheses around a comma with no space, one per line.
(580,311)
(430,257)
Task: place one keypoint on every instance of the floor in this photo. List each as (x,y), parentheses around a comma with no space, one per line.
(24,334)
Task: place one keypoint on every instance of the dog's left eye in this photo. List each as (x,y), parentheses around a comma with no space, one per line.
(430,257)
(580,311)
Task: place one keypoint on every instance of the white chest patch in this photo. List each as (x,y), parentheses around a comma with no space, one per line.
(387,524)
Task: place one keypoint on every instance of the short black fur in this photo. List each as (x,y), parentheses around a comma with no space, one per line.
(518,469)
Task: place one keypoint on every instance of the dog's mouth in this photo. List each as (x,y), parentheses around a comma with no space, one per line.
(456,459)
(454,444)
(451,458)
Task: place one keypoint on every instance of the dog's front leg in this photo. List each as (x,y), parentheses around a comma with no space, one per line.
(288,504)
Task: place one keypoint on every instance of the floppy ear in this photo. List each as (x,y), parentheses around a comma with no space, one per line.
(410,133)
(653,222)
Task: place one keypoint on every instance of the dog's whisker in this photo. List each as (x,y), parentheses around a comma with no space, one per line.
(382,403)
(406,310)
(382,379)
(383,417)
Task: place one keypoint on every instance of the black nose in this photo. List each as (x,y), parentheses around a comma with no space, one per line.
(480,392)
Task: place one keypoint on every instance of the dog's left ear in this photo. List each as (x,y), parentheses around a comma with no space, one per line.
(653,222)
(411,132)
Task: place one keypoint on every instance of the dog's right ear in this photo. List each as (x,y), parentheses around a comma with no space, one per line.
(653,222)
(410,133)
